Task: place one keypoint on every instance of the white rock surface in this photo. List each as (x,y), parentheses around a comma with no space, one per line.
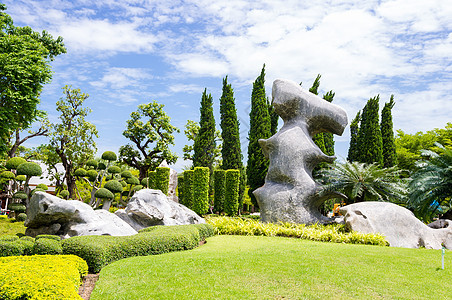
(399,225)
(48,214)
(151,207)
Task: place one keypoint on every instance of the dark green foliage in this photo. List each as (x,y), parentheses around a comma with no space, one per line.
(162,179)
(328,138)
(92,163)
(260,128)
(431,185)
(80,172)
(387,135)
(64,194)
(315,85)
(200,190)
(46,246)
(273,118)
(133,180)
(126,174)
(99,251)
(20,195)
(17,207)
(219,191)
(188,188)
(205,230)
(48,236)
(109,155)
(353,150)
(113,186)
(101,166)
(21,217)
(14,162)
(114,170)
(231,197)
(7,175)
(180,189)
(137,188)
(103,193)
(370,143)
(231,152)
(8,248)
(204,145)
(29,169)
(92,175)
(152,181)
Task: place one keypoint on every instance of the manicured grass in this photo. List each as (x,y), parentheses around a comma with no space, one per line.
(8,227)
(255,267)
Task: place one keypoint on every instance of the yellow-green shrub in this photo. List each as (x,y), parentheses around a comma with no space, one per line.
(41,277)
(325,233)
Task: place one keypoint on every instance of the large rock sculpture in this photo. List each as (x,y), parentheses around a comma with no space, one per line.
(151,207)
(290,193)
(399,225)
(48,214)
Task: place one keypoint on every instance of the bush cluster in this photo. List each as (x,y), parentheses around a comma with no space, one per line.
(99,251)
(41,277)
(200,201)
(11,245)
(324,233)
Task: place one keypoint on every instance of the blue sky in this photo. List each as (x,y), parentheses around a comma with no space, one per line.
(127,52)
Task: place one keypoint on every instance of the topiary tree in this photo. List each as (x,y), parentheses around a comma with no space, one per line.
(201,190)
(28,169)
(13,163)
(104,194)
(42,186)
(188,188)
(64,194)
(109,156)
(113,186)
(219,191)
(231,197)
(162,179)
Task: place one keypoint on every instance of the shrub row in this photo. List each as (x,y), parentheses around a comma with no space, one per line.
(231,196)
(325,233)
(98,251)
(11,245)
(188,188)
(41,277)
(218,199)
(200,201)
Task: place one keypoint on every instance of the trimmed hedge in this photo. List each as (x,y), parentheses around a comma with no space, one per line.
(48,246)
(231,195)
(162,175)
(180,189)
(188,188)
(21,217)
(151,180)
(41,277)
(218,200)
(48,236)
(99,251)
(201,190)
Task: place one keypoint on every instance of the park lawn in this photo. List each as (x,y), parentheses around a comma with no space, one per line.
(8,227)
(255,267)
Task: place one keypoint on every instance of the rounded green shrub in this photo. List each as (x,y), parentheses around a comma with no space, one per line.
(37,190)
(103,193)
(80,172)
(9,238)
(109,155)
(46,246)
(101,166)
(21,217)
(17,207)
(42,186)
(21,178)
(27,238)
(11,248)
(137,188)
(144,182)
(7,175)
(123,183)
(92,175)
(29,169)
(64,194)
(20,195)
(114,170)
(48,236)
(133,180)
(27,245)
(126,174)
(92,163)
(14,162)
(114,186)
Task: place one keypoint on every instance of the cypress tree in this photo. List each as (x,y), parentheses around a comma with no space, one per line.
(353,150)
(328,138)
(370,143)
(318,138)
(260,127)
(387,135)
(273,118)
(204,144)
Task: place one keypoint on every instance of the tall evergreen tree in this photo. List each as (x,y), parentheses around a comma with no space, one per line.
(387,135)
(328,139)
(204,145)
(353,150)
(370,144)
(318,138)
(273,118)
(259,129)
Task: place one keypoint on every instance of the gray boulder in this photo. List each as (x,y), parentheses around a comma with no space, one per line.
(399,225)
(48,214)
(151,207)
(290,193)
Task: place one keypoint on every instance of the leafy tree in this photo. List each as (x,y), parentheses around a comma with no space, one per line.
(370,143)
(25,57)
(151,132)
(353,150)
(204,145)
(73,138)
(260,127)
(47,155)
(364,182)
(431,185)
(387,135)
(191,131)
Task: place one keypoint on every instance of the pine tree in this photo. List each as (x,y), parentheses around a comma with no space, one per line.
(353,150)
(387,135)
(204,145)
(370,143)
(259,129)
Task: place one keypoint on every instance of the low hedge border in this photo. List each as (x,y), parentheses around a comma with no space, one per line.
(41,277)
(99,251)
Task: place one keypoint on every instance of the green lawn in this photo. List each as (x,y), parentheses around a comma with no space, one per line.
(8,227)
(253,267)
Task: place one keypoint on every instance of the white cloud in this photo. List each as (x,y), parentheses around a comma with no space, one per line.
(119,78)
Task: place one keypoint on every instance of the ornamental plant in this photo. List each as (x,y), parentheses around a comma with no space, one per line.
(219,191)
(231,197)
(162,179)
(201,190)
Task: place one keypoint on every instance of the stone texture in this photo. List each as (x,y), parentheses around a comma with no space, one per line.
(48,214)
(399,225)
(289,192)
(172,182)
(150,207)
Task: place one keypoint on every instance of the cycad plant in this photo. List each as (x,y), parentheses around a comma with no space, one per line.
(431,185)
(363,182)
